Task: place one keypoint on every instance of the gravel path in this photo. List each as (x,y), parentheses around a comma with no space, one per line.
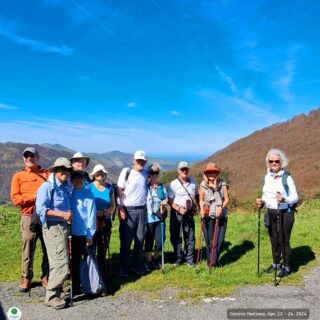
(141,305)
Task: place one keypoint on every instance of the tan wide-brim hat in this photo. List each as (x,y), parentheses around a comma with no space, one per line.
(80,155)
(61,162)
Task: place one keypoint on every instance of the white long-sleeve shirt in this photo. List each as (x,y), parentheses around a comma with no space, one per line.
(272,185)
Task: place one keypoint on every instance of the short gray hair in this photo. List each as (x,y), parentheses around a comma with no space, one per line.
(281,154)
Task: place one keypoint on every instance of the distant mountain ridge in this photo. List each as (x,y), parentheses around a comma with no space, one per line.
(11,161)
(245,158)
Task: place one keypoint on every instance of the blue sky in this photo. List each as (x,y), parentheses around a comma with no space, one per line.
(172,77)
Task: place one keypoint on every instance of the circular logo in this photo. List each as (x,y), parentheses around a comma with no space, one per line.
(14,313)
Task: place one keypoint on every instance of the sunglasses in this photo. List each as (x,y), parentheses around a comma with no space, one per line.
(77,178)
(99,173)
(184,169)
(154,173)
(64,169)
(274,161)
(28,155)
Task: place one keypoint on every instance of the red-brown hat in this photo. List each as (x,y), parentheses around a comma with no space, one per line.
(211,167)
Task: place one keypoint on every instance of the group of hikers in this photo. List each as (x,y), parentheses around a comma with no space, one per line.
(72,204)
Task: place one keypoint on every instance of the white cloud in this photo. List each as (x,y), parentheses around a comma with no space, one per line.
(152,137)
(175,113)
(7,107)
(8,30)
(92,10)
(283,85)
(227,79)
(131,104)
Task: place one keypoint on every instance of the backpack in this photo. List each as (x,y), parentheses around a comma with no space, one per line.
(91,280)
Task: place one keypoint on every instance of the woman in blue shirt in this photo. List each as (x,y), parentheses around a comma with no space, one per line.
(83,224)
(105,204)
(156,202)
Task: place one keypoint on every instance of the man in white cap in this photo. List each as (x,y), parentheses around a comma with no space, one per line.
(80,162)
(53,206)
(183,197)
(24,187)
(132,198)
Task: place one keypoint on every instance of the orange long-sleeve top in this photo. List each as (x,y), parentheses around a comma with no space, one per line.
(24,187)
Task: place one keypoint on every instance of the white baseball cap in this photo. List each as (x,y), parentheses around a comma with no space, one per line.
(140,155)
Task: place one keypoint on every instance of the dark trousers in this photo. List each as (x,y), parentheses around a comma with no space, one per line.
(79,252)
(182,225)
(101,241)
(281,224)
(153,236)
(133,228)
(209,228)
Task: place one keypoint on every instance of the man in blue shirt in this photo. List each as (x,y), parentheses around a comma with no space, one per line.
(53,207)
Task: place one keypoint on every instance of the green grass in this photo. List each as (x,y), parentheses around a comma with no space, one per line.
(239,258)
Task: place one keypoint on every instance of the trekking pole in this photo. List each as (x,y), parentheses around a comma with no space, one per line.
(259,209)
(200,241)
(214,238)
(33,248)
(162,244)
(70,261)
(277,247)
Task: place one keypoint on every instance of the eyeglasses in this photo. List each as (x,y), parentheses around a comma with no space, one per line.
(184,169)
(28,155)
(274,161)
(154,173)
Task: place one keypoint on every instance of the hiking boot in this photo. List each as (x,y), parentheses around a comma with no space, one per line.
(123,273)
(24,285)
(283,273)
(178,262)
(56,303)
(44,282)
(149,266)
(271,269)
(157,263)
(138,271)
(190,264)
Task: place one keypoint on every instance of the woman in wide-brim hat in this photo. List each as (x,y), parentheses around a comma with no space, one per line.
(214,197)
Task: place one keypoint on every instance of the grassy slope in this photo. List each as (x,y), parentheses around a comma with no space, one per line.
(239,259)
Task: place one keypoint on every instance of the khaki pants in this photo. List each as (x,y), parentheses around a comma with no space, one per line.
(55,236)
(29,240)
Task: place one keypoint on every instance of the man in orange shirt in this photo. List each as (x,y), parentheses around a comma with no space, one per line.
(24,187)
